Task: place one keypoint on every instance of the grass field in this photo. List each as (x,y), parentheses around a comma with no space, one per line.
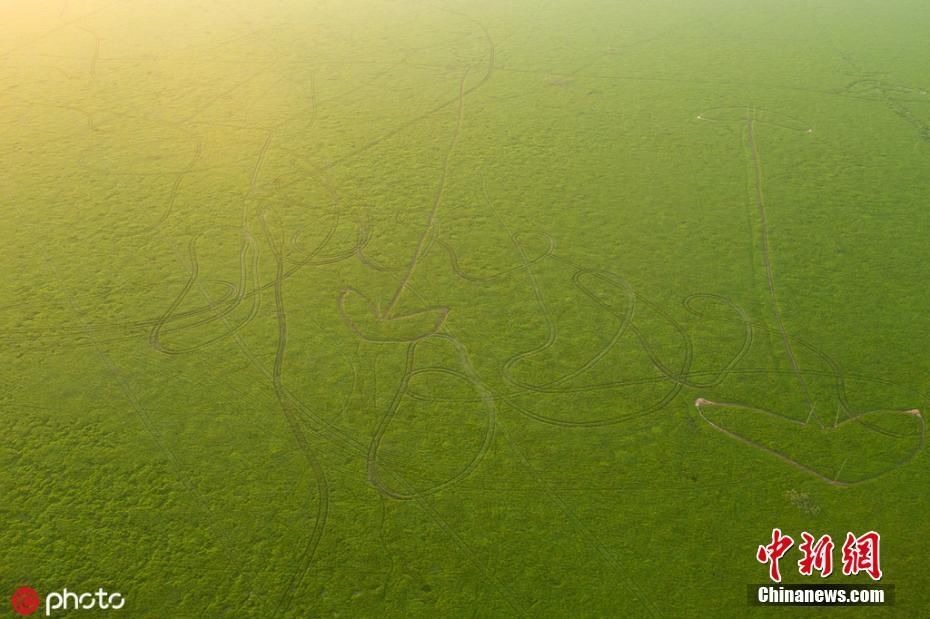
(406,308)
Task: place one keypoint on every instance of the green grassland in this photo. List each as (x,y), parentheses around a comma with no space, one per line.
(407,308)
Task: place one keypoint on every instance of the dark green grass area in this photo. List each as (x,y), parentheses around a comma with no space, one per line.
(402,308)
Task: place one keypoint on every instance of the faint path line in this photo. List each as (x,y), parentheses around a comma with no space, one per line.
(319,473)
(253,180)
(148,424)
(256,171)
(96,56)
(440,192)
(468,552)
(635,592)
(206,106)
(767,263)
(893,104)
(173,194)
(492,66)
(385,548)
(52,31)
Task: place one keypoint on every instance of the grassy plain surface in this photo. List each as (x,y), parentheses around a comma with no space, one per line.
(402,308)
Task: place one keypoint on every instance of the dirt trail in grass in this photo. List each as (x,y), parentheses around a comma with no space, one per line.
(426,236)
(767,261)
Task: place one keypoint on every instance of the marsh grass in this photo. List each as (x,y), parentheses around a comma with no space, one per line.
(379,309)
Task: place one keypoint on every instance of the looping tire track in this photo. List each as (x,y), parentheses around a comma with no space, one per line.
(248,245)
(468,375)
(319,473)
(454,261)
(678,378)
